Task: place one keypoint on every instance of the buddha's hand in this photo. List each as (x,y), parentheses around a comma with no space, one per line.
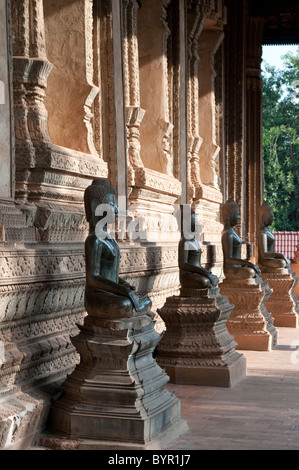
(258,271)
(214,280)
(127,285)
(255,268)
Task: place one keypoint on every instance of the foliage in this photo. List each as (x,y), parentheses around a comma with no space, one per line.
(281,142)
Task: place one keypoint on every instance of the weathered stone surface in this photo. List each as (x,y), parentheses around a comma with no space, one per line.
(250,323)
(117,392)
(197,348)
(22,415)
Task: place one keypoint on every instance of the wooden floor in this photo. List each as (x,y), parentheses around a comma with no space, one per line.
(260,413)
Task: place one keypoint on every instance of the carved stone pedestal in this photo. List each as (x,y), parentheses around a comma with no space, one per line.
(250,323)
(197,348)
(295,269)
(116,397)
(282,304)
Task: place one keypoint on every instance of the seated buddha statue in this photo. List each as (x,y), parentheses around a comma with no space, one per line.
(192,274)
(268,259)
(106,294)
(233,264)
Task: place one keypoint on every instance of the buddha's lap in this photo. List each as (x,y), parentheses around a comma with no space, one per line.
(273,263)
(194,280)
(243,272)
(100,302)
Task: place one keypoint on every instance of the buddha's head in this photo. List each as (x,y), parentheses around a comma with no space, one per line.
(266,216)
(99,200)
(230,213)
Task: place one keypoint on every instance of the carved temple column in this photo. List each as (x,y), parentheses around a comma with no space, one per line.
(25,151)
(134,113)
(195,22)
(153,189)
(254,154)
(155,22)
(205,22)
(234,168)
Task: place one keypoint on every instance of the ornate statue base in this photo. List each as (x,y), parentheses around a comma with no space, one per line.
(282,304)
(250,323)
(295,268)
(116,396)
(197,348)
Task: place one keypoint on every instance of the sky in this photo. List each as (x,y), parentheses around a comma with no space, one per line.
(272,54)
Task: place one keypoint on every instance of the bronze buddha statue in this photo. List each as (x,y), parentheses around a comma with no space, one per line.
(106,294)
(192,274)
(268,259)
(233,264)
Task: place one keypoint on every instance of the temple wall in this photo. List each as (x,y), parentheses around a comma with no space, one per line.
(133,91)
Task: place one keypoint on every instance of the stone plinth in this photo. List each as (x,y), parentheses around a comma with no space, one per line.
(197,348)
(282,304)
(250,323)
(295,268)
(117,394)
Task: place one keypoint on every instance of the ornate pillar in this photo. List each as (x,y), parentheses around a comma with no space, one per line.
(25,151)
(181,132)
(254,155)
(196,20)
(134,113)
(205,22)
(234,48)
(156,71)
(152,186)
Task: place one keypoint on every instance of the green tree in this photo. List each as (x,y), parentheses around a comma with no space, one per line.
(281,142)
